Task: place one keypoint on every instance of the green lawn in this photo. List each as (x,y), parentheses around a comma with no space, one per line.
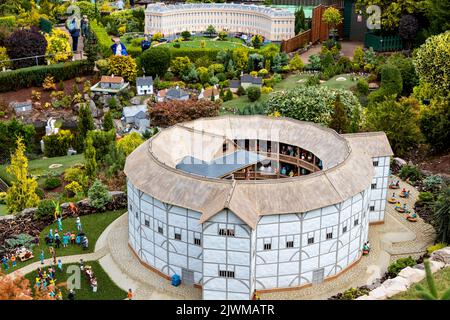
(106,290)
(230,43)
(93,225)
(441,278)
(3,210)
(41,166)
(348,84)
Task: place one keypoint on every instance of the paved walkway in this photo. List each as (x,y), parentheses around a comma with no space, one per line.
(396,238)
(347,50)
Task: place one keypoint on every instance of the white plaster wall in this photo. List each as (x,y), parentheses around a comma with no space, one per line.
(226,253)
(380,192)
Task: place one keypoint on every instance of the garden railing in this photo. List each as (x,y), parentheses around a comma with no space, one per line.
(39,58)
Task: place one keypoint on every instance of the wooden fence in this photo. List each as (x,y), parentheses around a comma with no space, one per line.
(296,42)
(319,32)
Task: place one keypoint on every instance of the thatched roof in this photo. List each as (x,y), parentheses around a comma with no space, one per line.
(347,167)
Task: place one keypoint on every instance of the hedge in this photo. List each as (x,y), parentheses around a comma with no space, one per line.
(103,38)
(8,21)
(194,54)
(34,76)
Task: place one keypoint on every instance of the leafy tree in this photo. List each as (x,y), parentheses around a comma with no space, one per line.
(101,141)
(210,30)
(240,58)
(228,95)
(435,123)
(441,216)
(332,17)
(130,142)
(406,67)
(255,62)
(26,43)
(179,65)
(296,63)
(168,113)
(339,120)
(108,122)
(431,293)
(99,195)
(157,36)
(313,103)
(4,63)
(18,288)
(114,160)
(432,62)
(123,66)
(56,145)
(186,35)
(90,158)
(408,28)
(58,46)
(391,84)
(438,14)
(300,20)
(9,132)
(223,35)
(399,120)
(257,41)
(253,93)
(84,124)
(46,209)
(22,193)
(156,61)
(281,59)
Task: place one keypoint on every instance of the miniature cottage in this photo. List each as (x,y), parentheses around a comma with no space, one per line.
(111,82)
(144,85)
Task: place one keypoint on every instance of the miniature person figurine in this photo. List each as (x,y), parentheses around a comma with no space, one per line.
(66,238)
(50,235)
(38,282)
(42,256)
(60,297)
(78,223)
(145,44)
(72,238)
(81,264)
(130,294)
(60,267)
(13,260)
(5,263)
(60,227)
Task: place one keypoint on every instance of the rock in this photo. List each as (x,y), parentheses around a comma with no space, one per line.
(135,101)
(96,112)
(378,293)
(396,285)
(400,162)
(412,275)
(365,297)
(436,265)
(442,255)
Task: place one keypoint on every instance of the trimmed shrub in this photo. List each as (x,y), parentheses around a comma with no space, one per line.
(410,173)
(35,76)
(397,266)
(52,182)
(103,39)
(362,86)
(253,93)
(26,43)
(123,66)
(98,195)
(391,80)
(45,210)
(156,61)
(8,21)
(56,145)
(73,188)
(437,246)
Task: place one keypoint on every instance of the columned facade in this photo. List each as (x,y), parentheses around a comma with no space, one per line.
(273,24)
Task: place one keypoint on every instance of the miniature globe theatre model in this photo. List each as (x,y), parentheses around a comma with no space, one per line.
(236,204)
(272,23)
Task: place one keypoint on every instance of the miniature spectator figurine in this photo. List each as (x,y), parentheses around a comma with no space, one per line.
(38,282)
(60,226)
(74,29)
(132,3)
(5,263)
(84,26)
(50,235)
(130,294)
(79,227)
(71,295)
(120,4)
(85,242)
(66,239)
(57,239)
(72,238)
(60,297)
(53,253)
(41,256)
(60,267)
(94,285)
(118,48)
(145,44)
(81,264)
(13,260)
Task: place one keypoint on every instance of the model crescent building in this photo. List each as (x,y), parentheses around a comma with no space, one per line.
(236,204)
(273,24)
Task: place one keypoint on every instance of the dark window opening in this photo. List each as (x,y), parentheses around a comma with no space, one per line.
(160,230)
(289,244)
(267,246)
(177,236)
(311,240)
(330,235)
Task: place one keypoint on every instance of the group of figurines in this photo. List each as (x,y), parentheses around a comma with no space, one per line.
(54,238)
(410,215)
(46,281)
(366,248)
(89,275)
